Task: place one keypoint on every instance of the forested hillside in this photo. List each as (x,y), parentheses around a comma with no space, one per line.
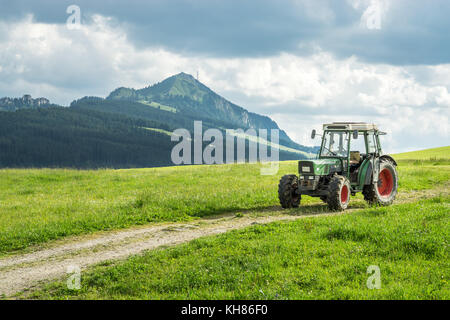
(70,137)
(130,128)
(82,138)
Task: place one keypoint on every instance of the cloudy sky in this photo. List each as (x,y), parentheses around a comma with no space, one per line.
(302,62)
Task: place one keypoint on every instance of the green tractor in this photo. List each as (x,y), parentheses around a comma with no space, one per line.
(341,171)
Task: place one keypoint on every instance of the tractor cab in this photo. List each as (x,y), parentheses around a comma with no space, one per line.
(351,143)
(350,160)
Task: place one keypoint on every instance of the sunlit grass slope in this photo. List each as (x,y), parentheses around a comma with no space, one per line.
(428,154)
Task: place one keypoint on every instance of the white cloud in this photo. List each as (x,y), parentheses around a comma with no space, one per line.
(300,93)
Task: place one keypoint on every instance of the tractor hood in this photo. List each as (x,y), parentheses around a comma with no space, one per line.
(319,167)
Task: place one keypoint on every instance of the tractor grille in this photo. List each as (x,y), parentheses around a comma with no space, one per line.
(308,183)
(305,168)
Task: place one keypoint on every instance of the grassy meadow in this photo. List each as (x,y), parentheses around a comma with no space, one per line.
(435,154)
(39,205)
(310,258)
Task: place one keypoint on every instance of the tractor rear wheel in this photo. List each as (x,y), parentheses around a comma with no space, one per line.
(288,191)
(339,193)
(384,191)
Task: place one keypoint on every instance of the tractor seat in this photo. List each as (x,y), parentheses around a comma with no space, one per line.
(355,157)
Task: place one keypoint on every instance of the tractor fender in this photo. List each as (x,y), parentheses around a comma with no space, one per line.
(368,177)
(365,173)
(388,157)
(368,173)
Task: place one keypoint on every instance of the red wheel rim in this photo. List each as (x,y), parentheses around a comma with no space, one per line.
(344,194)
(385,183)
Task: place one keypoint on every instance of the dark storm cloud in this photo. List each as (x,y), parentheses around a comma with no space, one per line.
(412,31)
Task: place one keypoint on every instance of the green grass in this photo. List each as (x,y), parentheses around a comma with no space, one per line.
(311,258)
(442,153)
(422,175)
(40,205)
(159,130)
(158,106)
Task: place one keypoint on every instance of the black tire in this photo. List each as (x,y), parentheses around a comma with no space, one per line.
(339,193)
(385,191)
(287,191)
(324,199)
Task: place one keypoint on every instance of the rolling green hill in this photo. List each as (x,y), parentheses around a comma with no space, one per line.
(427,154)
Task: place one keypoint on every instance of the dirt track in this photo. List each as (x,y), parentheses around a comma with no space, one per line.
(25,271)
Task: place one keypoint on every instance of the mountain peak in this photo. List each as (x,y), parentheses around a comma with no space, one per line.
(184,95)
(183,75)
(185,80)
(179,85)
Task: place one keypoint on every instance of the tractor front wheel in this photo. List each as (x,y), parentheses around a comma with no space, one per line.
(339,193)
(384,191)
(288,191)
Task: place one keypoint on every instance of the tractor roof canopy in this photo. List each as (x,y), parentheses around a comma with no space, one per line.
(351,126)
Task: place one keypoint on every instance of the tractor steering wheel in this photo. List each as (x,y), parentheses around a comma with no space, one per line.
(332,152)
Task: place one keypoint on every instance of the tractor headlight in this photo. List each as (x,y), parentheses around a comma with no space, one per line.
(302,178)
(311,177)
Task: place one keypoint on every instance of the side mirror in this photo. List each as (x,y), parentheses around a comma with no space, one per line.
(355,134)
(313,134)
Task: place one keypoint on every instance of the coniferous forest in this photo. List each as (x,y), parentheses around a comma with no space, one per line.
(130,128)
